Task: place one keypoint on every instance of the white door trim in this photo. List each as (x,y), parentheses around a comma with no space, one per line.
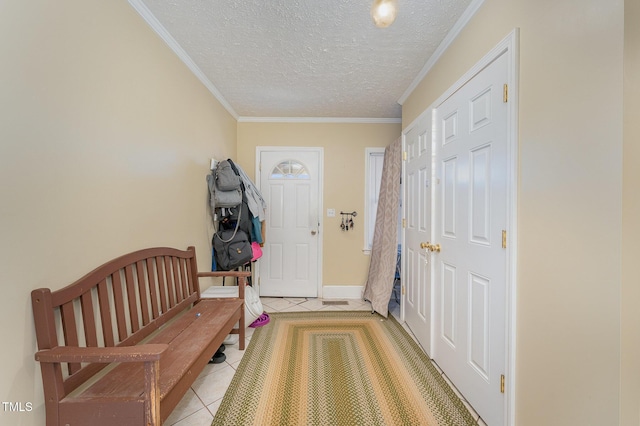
(320,152)
(510,46)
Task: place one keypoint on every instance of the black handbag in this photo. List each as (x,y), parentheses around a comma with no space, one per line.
(231,247)
(230,217)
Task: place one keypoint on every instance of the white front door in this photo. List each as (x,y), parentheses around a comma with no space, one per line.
(290,183)
(470,273)
(417,196)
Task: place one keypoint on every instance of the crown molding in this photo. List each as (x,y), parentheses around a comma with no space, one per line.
(446,42)
(355,120)
(159,29)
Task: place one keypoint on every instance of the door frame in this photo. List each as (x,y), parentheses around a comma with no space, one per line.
(319,239)
(510,46)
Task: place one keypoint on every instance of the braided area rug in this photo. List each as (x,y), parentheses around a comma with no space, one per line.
(337,368)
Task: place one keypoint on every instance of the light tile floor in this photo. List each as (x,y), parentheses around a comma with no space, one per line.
(201,402)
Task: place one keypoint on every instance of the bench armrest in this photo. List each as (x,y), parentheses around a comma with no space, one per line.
(139,353)
(241,275)
(149,354)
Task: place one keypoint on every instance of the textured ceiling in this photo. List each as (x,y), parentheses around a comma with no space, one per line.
(306,58)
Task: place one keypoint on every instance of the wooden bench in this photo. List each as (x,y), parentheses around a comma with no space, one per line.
(123,344)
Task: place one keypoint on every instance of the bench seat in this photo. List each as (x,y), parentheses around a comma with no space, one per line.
(191,341)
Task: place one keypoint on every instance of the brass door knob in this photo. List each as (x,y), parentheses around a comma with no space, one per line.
(430,247)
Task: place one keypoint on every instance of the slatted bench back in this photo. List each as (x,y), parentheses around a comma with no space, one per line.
(120,303)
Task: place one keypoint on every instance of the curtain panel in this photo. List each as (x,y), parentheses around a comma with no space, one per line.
(384,250)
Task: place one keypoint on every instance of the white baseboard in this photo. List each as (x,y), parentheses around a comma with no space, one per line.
(342,291)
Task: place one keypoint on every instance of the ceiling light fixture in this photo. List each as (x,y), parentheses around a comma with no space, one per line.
(384,12)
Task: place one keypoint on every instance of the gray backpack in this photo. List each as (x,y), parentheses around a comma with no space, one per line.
(231,249)
(225,190)
(226,178)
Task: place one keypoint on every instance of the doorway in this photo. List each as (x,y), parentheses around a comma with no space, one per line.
(470,245)
(470,271)
(290,180)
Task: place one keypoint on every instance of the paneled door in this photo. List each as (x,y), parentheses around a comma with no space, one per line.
(470,270)
(416,270)
(290,183)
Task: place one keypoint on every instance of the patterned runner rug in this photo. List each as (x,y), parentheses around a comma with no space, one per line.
(337,368)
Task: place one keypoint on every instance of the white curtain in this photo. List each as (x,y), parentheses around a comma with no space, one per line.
(384,250)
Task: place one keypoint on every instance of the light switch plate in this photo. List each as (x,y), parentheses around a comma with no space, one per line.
(331,212)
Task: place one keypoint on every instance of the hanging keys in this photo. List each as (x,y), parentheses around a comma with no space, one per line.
(347,220)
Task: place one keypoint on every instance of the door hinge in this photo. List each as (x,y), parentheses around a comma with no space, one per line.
(505,93)
(504,239)
(404,155)
(403,290)
(404,223)
(502,383)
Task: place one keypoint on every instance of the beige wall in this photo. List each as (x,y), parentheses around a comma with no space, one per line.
(569,198)
(104,144)
(630,315)
(105,136)
(344,148)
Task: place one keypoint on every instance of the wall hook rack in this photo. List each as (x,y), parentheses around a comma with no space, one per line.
(347,220)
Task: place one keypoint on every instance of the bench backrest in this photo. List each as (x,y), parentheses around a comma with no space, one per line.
(119,303)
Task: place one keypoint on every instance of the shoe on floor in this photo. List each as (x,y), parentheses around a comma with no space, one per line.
(217,358)
(260,321)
